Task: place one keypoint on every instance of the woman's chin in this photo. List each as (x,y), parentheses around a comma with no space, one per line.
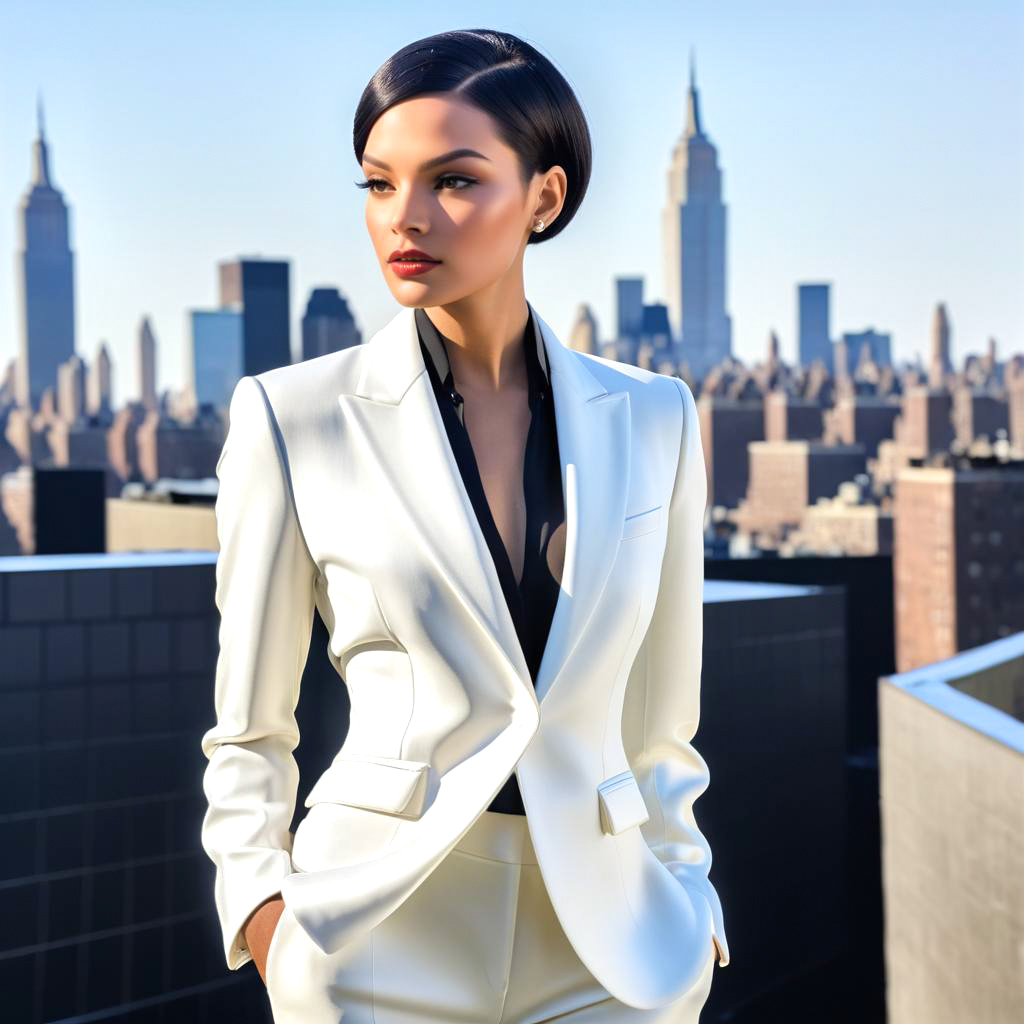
(411,292)
(414,293)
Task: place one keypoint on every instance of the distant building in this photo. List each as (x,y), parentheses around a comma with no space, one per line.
(657,330)
(46,281)
(215,361)
(165,448)
(260,290)
(958,566)
(789,417)
(940,366)
(694,239)
(583,335)
(786,477)
(145,363)
(327,324)
(122,440)
(71,390)
(925,423)
(99,386)
(813,329)
(852,523)
(1015,404)
(654,350)
(629,309)
(977,415)
(727,427)
(879,346)
(866,420)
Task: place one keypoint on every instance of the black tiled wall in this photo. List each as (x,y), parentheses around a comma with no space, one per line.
(106,686)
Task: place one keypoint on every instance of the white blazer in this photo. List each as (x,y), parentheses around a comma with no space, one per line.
(339,491)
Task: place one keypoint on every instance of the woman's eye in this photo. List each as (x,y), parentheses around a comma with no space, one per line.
(372,183)
(456,177)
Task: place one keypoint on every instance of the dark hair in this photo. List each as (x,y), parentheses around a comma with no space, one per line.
(534,108)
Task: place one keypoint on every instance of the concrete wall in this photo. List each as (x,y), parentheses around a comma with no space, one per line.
(952,792)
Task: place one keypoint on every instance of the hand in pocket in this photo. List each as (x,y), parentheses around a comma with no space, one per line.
(259,931)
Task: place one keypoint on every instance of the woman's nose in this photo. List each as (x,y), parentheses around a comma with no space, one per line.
(409,214)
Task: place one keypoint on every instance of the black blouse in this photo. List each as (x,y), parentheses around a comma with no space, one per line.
(531,601)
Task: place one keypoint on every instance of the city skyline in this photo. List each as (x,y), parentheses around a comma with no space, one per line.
(147,247)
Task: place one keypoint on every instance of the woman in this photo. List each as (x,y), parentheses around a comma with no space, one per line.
(504,540)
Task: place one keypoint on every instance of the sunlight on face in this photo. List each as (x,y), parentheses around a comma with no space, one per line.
(472,213)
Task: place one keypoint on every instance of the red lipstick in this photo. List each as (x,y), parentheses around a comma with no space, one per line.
(411,262)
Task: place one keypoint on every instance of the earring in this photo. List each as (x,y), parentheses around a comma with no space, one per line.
(538,225)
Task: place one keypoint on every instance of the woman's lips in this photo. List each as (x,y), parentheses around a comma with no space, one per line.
(412,268)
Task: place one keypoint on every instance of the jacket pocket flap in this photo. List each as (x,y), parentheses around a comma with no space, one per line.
(390,784)
(621,803)
(639,523)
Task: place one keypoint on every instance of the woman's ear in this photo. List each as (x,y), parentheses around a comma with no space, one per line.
(551,195)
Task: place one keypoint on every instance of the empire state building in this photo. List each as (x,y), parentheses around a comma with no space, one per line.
(693,238)
(46,285)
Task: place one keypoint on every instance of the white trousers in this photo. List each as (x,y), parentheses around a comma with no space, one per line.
(478,942)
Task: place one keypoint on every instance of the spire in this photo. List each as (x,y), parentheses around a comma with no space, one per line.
(692,103)
(41,158)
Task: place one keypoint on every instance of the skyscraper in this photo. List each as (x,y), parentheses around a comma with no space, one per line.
(214,359)
(260,289)
(878,344)
(939,366)
(46,280)
(584,335)
(693,236)
(813,325)
(71,390)
(629,308)
(99,385)
(145,364)
(327,324)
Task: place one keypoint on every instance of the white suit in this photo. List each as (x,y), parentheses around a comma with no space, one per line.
(338,490)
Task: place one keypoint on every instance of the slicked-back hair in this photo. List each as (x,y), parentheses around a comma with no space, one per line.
(534,108)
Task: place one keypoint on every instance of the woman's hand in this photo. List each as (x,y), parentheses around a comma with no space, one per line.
(259,931)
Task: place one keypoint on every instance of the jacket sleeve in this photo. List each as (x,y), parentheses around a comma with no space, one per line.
(265,595)
(662,707)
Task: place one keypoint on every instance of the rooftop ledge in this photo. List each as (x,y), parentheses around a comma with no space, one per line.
(936,686)
(115,560)
(714,590)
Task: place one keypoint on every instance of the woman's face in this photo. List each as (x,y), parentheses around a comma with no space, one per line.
(442,181)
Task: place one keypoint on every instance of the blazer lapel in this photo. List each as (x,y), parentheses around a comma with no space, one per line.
(394,413)
(594,446)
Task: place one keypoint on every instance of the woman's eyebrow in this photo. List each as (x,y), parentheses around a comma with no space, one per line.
(433,162)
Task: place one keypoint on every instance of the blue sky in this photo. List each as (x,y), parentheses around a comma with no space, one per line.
(879,146)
